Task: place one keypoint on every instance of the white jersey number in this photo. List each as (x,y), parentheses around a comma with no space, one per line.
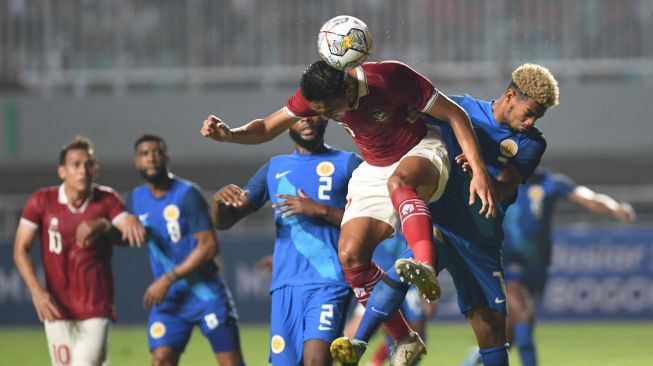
(326,183)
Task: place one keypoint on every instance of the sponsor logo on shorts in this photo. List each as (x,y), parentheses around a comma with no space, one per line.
(499,301)
(157,330)
(325,169)
(378,114)
(171,213)
(278,344)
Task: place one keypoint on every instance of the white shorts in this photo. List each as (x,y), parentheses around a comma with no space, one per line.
(78,342)
(367,193)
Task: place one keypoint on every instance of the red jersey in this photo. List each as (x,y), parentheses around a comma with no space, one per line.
(79,279)
(377,122)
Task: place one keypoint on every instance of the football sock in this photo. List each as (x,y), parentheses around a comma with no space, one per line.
(382,306)
(381,353)
(362,279)
(525,344)
(495,356)
(416,223)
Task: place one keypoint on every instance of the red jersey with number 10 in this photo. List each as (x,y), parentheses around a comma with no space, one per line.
(79,279)
(377,121)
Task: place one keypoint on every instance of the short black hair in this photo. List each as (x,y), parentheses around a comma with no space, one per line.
(321,81)
(78,142)
(150,136)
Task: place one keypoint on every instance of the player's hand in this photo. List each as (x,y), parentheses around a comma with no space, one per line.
(625,212)
(231,195)
(132,231)
(156,292)
(464,164)
(297,205)
(45,306)
(89,230)
(214,128)
(481,185)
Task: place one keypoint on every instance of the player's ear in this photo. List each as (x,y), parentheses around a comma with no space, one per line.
(61,171)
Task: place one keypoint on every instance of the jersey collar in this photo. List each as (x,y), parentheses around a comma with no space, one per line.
(363,88)
(63,199)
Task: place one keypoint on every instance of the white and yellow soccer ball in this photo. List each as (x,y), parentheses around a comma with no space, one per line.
(344,42)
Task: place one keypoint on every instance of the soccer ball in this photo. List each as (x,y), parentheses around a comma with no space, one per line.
(344,42)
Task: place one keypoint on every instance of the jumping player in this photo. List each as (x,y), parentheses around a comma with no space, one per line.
(308,190)
(405,164)
(72,219)
(469,247)
(527,246)
(188,289)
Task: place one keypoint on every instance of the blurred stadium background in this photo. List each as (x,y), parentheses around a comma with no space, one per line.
(112,70)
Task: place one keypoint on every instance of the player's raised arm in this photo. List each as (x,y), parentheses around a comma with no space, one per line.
(446,110)
(602,204)
(255,132)
(45,306)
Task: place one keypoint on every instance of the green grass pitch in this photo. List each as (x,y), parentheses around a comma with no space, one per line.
(577,344)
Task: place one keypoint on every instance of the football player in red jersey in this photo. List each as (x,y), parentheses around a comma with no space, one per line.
(76,304)
(405,168)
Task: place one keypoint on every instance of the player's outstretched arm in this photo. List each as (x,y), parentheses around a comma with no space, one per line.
(230,204)
(507,180)
(602,204)
(255,132)
(446,110)
(45,306)
(302,204)
(204,252)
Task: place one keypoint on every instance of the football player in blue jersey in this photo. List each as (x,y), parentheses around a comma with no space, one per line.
(188,289)
(527,246)
(308,191)
(468,245)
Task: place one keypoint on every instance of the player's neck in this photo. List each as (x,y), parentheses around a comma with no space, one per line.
(499,110)
(76,198)
(160,187)
(312,150)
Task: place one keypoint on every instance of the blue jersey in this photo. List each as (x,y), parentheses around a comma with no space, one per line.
(171,220)
(305,250)
(528,222)
(499,145)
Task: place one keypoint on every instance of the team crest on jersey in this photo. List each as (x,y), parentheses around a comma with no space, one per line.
(157,330)
(171,213)
(509,148)
(278,344)
(325,169)
(378,114)
(535,192)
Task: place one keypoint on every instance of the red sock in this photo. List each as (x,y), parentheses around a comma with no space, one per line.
(380,355)
(362,280)
(397,326)
(416,223)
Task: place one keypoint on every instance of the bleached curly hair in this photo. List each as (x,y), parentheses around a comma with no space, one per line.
(536,82)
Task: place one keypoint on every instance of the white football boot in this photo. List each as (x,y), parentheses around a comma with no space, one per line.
(415,273)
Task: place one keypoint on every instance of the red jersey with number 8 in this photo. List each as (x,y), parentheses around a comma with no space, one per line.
(79,279)
(378,120)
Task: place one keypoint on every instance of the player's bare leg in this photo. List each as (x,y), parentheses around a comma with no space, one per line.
(489,327)
(165,356)
(316,353)
(358,239)
(411,185)
(230,358)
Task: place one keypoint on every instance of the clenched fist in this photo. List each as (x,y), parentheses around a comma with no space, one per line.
(214,128)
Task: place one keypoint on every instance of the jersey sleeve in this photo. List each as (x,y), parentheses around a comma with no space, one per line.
(529,155)
(33,210)
(417,90)
(258,187)
(115,207)
(129,202)
(297,106)
(562,185)
(196,211)
(353,163)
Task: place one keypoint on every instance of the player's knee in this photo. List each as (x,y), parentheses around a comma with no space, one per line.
(349,257)
(489,326)
(397,180)
(163,359)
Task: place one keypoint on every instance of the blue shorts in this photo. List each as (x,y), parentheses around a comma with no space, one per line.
(301,313)
(171,324)
(533,277)
(477,272)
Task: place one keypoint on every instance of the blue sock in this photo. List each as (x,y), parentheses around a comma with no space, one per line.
(495,356)
(525,344)
(384,300)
